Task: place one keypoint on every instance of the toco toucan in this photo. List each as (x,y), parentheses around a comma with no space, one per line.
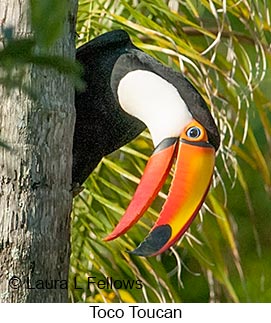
(126,91)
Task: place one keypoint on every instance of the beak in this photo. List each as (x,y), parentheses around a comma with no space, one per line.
(191,181)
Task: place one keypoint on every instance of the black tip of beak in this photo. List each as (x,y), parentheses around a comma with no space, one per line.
(153,242)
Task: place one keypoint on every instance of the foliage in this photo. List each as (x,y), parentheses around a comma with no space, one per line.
(223,49)
(18,53)
(48,27)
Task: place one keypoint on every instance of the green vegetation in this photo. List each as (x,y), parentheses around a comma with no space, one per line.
(224,50)
(223,47)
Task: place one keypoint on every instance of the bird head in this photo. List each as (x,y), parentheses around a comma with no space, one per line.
(183,133)
(126,91)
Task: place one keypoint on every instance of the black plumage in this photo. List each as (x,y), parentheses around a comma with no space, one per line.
(138,60)
(101,125)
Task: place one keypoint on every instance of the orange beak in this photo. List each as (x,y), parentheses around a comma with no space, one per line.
(191,181)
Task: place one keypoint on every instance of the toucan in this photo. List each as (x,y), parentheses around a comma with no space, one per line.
(126,91)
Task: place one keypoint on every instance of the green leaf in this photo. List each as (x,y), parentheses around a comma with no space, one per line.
(48,18)
(223,49)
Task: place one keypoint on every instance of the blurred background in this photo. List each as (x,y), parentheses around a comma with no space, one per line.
(223,48)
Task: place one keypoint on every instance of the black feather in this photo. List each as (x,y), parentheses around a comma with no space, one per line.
(101,124)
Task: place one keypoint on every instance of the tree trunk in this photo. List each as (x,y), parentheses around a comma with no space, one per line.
(35,177)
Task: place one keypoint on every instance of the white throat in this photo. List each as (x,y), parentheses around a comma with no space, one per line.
(156,102)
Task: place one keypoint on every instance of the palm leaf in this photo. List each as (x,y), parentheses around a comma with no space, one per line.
(222,48)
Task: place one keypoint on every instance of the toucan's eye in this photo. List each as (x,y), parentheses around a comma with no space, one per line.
(193,132)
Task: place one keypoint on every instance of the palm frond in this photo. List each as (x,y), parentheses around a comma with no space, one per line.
(223,48)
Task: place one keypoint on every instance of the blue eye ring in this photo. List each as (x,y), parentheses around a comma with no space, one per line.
(193,132)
